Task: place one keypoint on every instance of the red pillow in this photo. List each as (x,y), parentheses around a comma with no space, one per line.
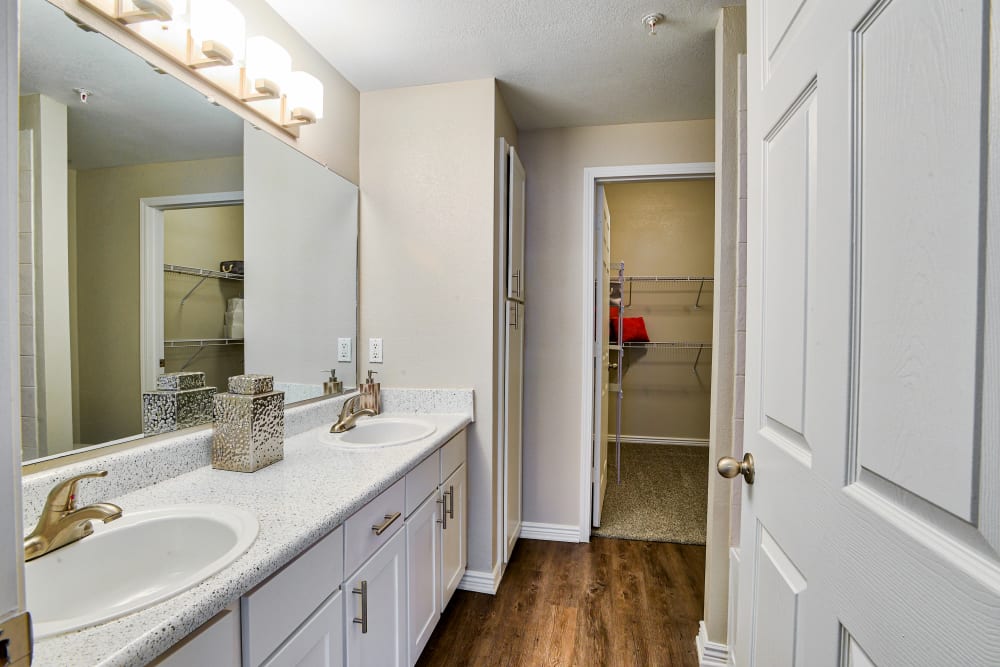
(633,328)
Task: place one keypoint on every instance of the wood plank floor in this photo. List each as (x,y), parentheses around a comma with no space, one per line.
(608,603)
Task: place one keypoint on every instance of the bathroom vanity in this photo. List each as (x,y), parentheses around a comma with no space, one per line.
(358,552)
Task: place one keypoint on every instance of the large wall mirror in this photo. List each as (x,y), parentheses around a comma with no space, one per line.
(159,233)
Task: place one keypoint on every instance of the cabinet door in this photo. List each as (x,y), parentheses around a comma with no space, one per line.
(215,644)
(454,547)
(423,573)
(513,428)
(381,640)
(319,642)
(515,228)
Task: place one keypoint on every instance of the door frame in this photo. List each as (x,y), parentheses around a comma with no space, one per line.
(592,176)
(151,270)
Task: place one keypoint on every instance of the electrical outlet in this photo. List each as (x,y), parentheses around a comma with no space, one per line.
(375,350)
(343,349)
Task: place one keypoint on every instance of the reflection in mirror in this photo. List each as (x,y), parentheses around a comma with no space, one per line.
(133,238)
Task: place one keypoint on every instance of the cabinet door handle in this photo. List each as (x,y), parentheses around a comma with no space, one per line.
(380,528)
(363,592)
(517,277)
(444,512)
(513,320)
(451,502)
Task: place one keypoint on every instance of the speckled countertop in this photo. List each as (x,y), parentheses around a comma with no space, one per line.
(297,501)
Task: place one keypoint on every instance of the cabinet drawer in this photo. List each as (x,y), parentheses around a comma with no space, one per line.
(273,610)
(452,455)
(360,540)
(421,482)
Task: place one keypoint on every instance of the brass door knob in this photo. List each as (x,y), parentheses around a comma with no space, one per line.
(729,467)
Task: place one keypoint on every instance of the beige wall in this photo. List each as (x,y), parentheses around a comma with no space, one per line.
(51,268)
(108,275)
(201,238)
(427,264)
(554,161)
(666,228)
(333,141)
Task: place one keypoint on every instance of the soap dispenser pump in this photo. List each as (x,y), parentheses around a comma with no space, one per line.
(333,386)
(371,397)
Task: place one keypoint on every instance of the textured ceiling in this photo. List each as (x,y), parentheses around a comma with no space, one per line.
(561,63)
(135,115)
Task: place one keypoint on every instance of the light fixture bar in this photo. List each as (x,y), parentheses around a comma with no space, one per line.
(213,54)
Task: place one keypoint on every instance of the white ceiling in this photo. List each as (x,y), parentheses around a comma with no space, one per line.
(561,63)
(135,115)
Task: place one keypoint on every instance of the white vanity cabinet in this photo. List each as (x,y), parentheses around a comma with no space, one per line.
(375,622)
(216,643)
(454,542)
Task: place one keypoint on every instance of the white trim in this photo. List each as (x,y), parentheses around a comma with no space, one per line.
(710,654)
(657,440)
(733,602)
(151,271)
(477,581)
(499,400)
(591,177)
(550,532)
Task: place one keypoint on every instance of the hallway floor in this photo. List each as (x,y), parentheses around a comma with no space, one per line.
(611,602)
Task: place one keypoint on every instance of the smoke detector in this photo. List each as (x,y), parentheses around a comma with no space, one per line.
(652,20)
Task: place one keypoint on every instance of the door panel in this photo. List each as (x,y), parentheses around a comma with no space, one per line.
(384,644)
(454,538)
(601,341)
(423,574)
(515,229)
(873,345)
(514,414)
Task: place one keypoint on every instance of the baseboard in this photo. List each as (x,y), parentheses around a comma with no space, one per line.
(710,654)
(552,532)
(656,440)
(477,581)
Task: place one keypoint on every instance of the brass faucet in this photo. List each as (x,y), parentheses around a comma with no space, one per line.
(349,415)
(61,523)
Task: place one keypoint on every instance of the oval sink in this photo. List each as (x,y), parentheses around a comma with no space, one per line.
(381,432)
(132,563)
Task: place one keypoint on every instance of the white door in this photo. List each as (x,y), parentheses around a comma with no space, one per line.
(513,404)
(870,535)
(423,574)
(602,355)
(375,622)
(11,535)
(454,534)
(515,228)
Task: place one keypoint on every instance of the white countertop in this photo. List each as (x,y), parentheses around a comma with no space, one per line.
(297,501)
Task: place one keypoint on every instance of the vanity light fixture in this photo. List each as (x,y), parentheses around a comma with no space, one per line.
(267,68)
(208,38)
(303,100)
(217,34)
(138,11)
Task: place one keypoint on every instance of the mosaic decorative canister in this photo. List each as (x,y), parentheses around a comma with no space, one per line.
(249,425)
(180,400)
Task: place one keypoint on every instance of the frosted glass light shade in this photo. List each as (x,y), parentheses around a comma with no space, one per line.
(218,22)
(143,10)
(268,65)
(304,96)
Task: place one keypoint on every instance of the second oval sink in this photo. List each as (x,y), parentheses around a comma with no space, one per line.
(129,564)
(379,432)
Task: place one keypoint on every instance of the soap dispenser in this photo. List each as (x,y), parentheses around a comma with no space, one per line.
(371,397)
(333,386)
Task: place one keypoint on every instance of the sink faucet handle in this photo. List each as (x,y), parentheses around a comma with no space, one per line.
(62,498)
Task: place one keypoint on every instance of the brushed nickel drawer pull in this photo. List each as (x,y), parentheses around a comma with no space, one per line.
(380,528)
(451,501)
(363,592)
(444,512)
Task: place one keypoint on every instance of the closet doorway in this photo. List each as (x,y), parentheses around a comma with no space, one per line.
(650,387)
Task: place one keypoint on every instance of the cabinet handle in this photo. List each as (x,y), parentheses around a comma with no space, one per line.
(380,528)
(363,592)
(517,277)
(444,512)
(451,502)
(513,320)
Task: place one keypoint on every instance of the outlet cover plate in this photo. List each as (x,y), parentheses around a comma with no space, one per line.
(375,350)
(343,349)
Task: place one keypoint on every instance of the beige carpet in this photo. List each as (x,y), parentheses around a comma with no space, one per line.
(663,496)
